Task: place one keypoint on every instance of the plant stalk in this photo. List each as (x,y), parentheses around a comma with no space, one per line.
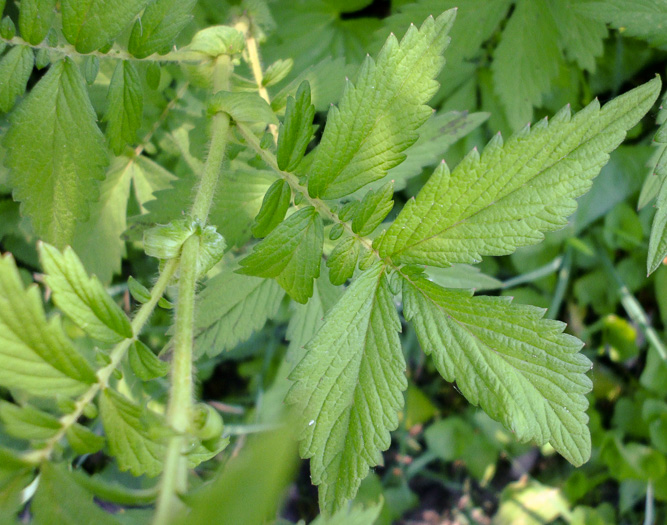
(175,476)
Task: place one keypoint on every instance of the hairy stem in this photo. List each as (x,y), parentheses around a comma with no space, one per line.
(175,476)
(115,53)
(103,374)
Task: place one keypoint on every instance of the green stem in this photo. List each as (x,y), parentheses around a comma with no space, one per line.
(114,54)
(175,476)
(114,492)
(561,286)
(632,306)
(103,374)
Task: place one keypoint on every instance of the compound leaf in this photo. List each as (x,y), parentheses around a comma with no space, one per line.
(521,369)
(15,69)
(60,499)
(40,361)
(378,118)
(296,131)
(291,254)
(28,422)
(92,24)
(125,106)
(373,209)
(273,210)
(526,60)
(514,192)
(83,298)
(230,308)
(35,18)
(56,153)
(159,26)
(349,388)
(132,434)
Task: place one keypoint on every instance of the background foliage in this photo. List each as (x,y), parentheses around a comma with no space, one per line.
(509,62)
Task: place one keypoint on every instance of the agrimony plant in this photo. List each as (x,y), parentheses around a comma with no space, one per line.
(321,214)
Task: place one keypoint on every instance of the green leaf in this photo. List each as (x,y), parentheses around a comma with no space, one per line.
(145,363)
(277,71)
(15,69)
(260,475)
(139,292)
(83,298)
(218,40)
(56,153)
(91,67)
(348,388)
(125,106)
(83,440)
(373,209)
(343,261)
(59,499)
(165,241)
(35,18)
(230,308)
(273,210)
(521,369)
(378,119)
(7,28)
(92,24)
(137,437)
(356,515)
(581,36)
(132,434)
(514,192)
(307,318)
(657,247)
(40,361)
(99,241)
(28,422)
(242,107)
(643,19)
(296,131)
(529,502)
(159,26)
(531,34)
(291,254)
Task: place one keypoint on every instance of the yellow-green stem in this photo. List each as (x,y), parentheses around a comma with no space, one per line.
(103,374)
(175,476)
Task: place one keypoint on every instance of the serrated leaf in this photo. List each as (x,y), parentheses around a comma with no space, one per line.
(307,318)
(129,435)
(159,26)
(291,254)
(145,363)
(217,40)
(92,24)
(273,210)
(28,422)
(35,18)
(56,153)
(581,36)
(230,308)
(277,72)
(643,19)
(124,106)
(137,437)
(99,241)
(352,515)
(242,107)
(40,361)
(531,34)
(514,192)
(657,246)
(15,69)
(83,440)
(296,131)
(343,261)
(521,369)
(373,209)
(348,388)
(378,118)
(60,499)
(83,298)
